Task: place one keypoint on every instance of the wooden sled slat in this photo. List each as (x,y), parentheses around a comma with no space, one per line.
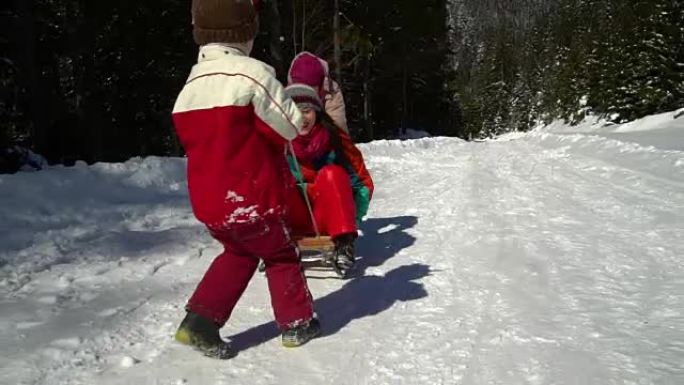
(321,244)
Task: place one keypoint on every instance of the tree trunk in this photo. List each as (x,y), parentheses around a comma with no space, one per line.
(275,48)
(404,99)
(367,118)
(294,28)
(88,107)
(26,41)
(303,25)
(336,38)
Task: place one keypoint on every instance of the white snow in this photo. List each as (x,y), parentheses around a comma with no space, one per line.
(553,257)
(243,214)
(679,113)
(664,131)
(232,196)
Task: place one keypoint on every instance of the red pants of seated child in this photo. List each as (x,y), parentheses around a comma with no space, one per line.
(332,202)
(228,276)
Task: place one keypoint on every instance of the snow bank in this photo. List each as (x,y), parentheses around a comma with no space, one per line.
(62,213)
(592,124)
(647,159)
(662,131)
(404,147)
(653,145)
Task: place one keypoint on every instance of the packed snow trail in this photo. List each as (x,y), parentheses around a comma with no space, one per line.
(549,259)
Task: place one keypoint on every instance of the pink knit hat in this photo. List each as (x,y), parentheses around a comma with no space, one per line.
(307,69)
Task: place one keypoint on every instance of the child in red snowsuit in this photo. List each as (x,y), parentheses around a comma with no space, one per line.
(333,174)
(234,122)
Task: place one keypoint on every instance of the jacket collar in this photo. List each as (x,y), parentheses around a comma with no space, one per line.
(218,51)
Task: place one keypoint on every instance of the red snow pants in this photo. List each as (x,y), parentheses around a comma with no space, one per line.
(332,202)
(226,279)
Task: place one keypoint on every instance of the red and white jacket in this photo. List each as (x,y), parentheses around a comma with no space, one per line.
(234,122)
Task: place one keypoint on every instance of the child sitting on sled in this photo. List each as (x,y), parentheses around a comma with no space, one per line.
(332,172)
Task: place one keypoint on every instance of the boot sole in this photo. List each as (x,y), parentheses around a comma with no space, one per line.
(295,344)
(183,337)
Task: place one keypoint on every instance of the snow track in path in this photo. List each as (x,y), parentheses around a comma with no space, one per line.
(542,260)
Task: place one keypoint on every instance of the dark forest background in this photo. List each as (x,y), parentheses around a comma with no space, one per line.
(96,80)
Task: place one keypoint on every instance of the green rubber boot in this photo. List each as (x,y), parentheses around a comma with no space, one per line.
(203,335)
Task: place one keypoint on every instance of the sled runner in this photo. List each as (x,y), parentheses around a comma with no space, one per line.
(317,254)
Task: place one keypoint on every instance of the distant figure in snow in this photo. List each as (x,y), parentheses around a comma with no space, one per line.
(234,122)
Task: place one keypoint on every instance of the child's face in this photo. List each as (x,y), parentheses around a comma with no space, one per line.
(309,117)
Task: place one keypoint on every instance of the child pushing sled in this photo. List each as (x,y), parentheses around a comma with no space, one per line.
(234,122)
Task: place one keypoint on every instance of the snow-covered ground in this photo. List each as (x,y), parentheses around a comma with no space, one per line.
(662,131)
(554,257)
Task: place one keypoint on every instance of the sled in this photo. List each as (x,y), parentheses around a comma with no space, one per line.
(320,245)
(316,254)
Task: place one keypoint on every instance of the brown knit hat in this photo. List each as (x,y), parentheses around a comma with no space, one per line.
(223,21)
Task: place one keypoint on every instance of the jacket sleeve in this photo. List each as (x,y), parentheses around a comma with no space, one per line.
(357,163)
(334,105)
(272,107)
